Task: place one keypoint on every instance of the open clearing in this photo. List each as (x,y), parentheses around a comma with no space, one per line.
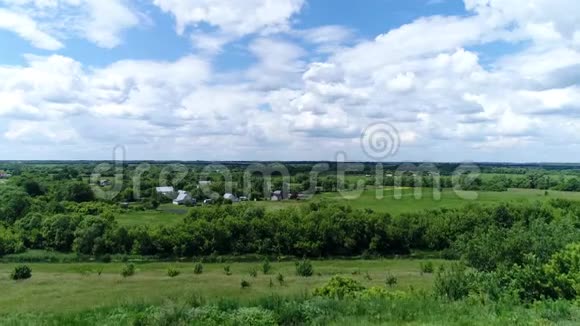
(75,287)
(408,202)
(390,202)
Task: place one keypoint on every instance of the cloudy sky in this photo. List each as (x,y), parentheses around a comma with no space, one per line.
(472,80)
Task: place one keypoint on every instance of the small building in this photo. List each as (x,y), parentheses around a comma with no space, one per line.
(167,191)
(277,195)
(183,198)
(4,175)
(231,197)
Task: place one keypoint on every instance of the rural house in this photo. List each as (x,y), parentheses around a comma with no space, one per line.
(166,191)
(183,198)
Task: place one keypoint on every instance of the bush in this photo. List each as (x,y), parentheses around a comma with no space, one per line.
(266,267)
(453,283)
(22,272)
(339,287)
(106,258)
(427,267)
(304,268)
(245,284)
(198,269)
(563,272)
(253,272)
(227,270)
(391,280)
(173,272)
(128,270)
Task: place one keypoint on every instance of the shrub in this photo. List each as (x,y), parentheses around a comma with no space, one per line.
(266,267)
(173,272)
(253,272)
(106,258)
(198,269)
(427,267)
(227,270)
(339,287)
(280,278)
(391,280)
(563,272)
(22,272)
(128,270)
(453,283)
(245,284)
(304,268)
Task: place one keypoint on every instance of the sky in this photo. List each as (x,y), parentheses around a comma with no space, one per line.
(288,80)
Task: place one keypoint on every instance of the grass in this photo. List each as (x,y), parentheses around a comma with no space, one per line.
(407,202)
(449,198)
(77,286)
(171,214)
(166,214)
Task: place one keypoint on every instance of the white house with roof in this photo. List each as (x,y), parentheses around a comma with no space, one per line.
(166,191)
(231,197)
(183,198)
(277,195)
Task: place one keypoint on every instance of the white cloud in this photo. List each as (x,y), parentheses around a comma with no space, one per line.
(232,16)
(45,23)
(28,29)
(107,20)
(230,19)
(427,78)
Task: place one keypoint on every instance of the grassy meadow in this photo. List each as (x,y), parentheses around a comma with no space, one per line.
(409,202)
(166,214)
(76,287)
(386,200)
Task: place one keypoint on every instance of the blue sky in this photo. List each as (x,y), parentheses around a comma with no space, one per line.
(448,80)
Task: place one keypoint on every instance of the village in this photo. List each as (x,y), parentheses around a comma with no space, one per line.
(182,197)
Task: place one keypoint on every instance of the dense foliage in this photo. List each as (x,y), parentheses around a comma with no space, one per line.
(22,272)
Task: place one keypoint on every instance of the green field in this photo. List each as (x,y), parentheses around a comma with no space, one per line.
(408,202)
(165,215)
(77,287)
(168,214)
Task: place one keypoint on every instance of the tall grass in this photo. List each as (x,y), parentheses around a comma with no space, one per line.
(274,310)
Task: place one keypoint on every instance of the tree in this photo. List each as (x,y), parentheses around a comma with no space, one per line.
(58,232)
(14,204)
(93,236)
(33,188)
(80,192)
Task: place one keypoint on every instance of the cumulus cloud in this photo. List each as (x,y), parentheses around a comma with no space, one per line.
(230,19)
(426,77)
(46,22)
(28,29)
(231,16)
